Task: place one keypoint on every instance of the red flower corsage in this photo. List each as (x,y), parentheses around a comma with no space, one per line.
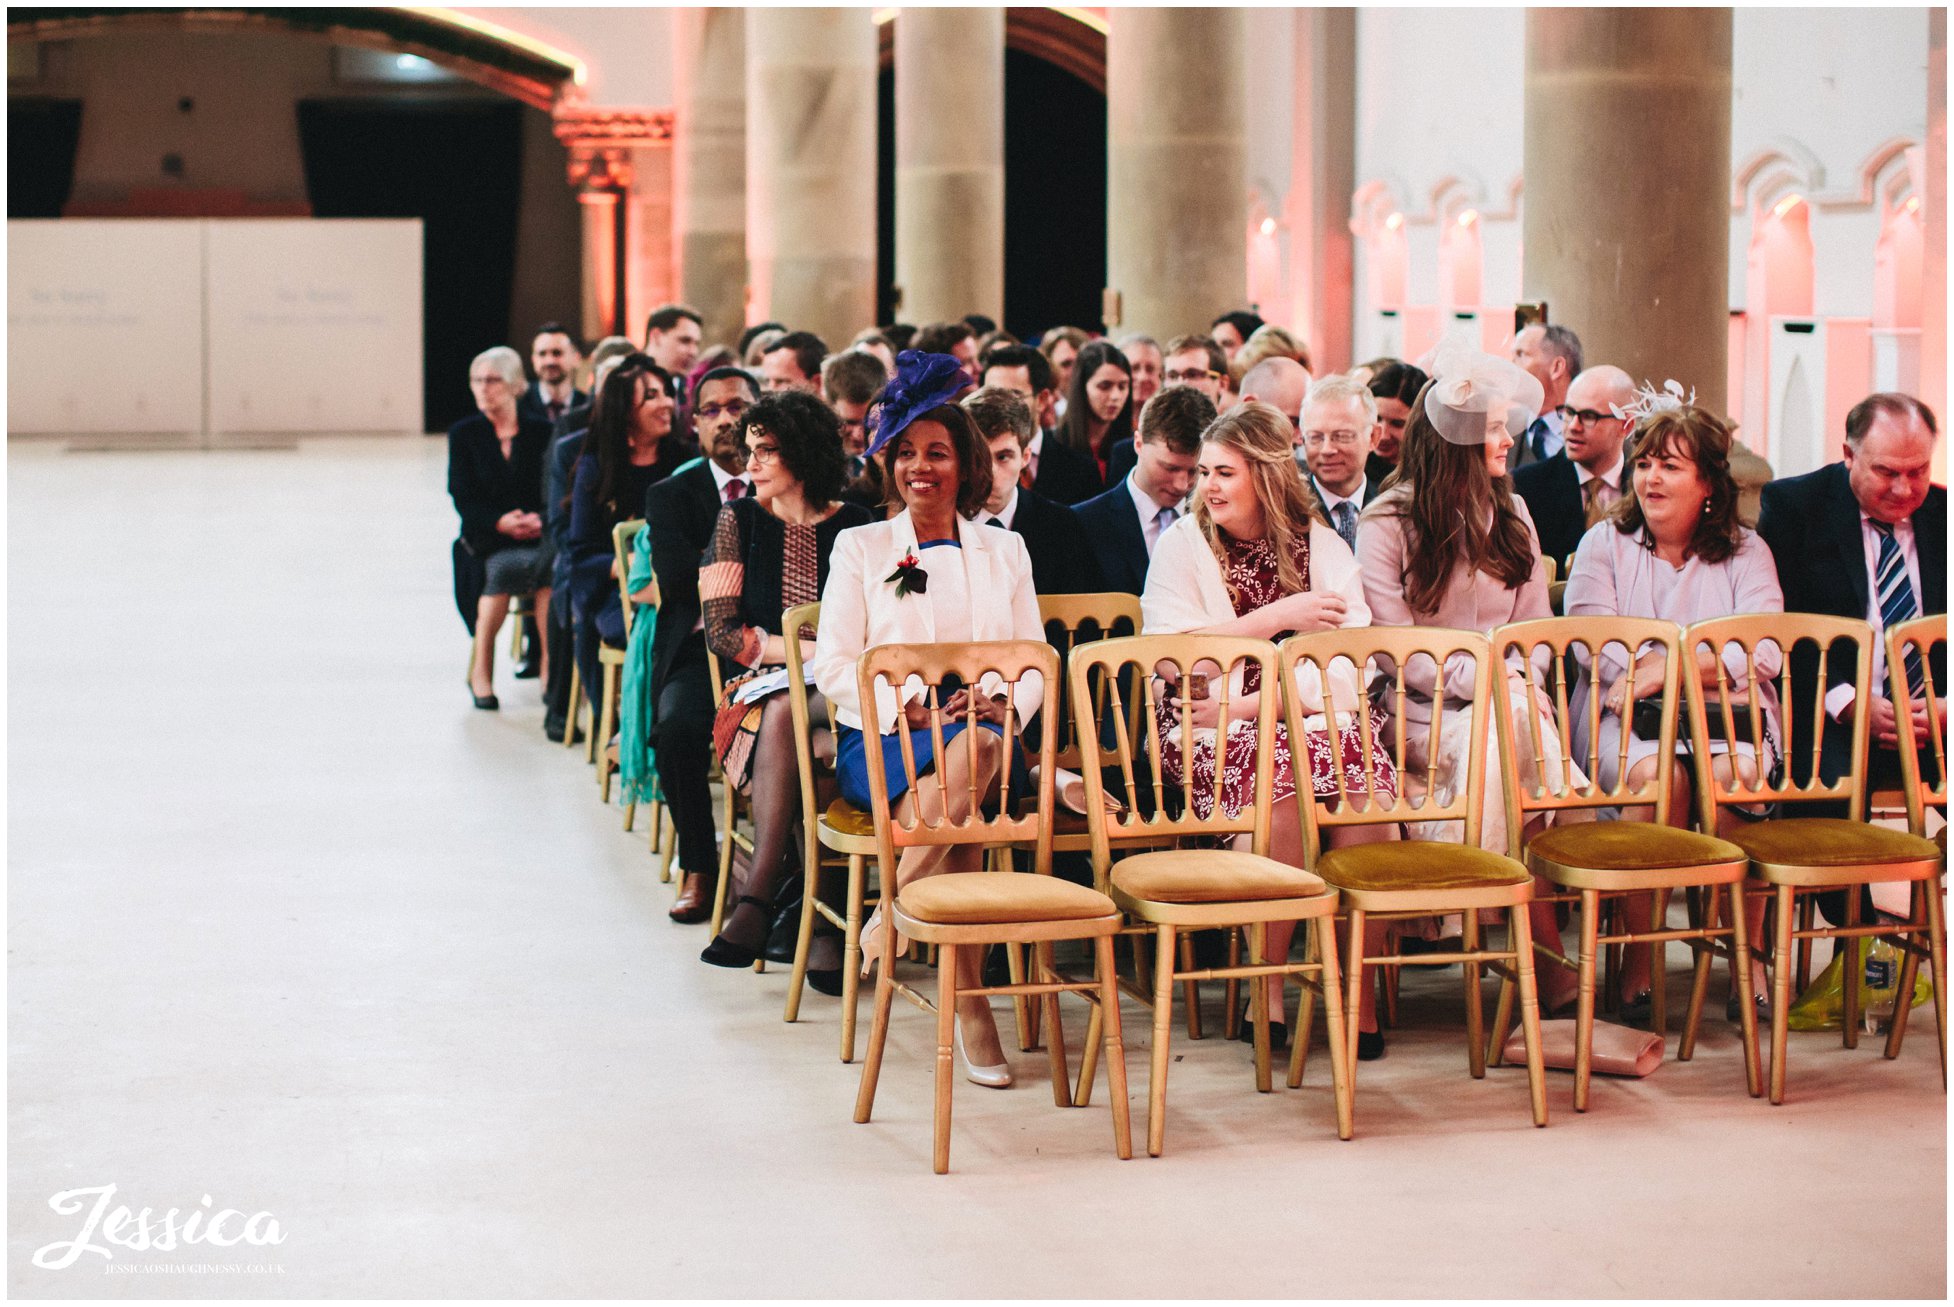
(909,577)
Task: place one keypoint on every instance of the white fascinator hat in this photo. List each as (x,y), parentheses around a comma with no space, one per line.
(1473,392)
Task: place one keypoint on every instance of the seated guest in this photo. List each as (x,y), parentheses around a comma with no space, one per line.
(1143,352)
(1061,346)
(1673,550)
(1552,356)
(1394,384)
(673,335)
(1051,533)
(1448,545)
(849,381)
(555,356)
(1338,418)
(1255,558)
(769,553)
(577,417)
(1281,383)
(1575,488)
(953,338)
(750,338)
(630,447)
(762,340)
(495,477)
(1195,361)
(1269,342)
(980,324)
(978,588)
(1124,525)
(874,342)
(1052,468)
(1865,537)
(1232,330)
(898,334)
(990,340)
(1099,408)
(680,513)
(793,362)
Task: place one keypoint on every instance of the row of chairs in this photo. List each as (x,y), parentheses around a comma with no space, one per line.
(1116,702)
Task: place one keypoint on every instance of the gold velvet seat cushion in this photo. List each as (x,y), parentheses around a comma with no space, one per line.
(844,818)
(1212,876)
(1830,842)
(1631,846)
(1418,865)
(984,898)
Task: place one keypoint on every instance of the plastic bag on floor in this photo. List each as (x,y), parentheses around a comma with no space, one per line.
(1822,1005)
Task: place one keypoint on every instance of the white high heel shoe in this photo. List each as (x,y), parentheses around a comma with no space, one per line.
(991,1077)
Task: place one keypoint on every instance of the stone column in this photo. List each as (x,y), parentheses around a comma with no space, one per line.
(1933,337)
(810,168)
(1322,176)
(709,166)
(1629,245)
(950,162)
(1176,167)
(601,177)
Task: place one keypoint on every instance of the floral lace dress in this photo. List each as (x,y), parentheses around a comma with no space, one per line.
(1252,580)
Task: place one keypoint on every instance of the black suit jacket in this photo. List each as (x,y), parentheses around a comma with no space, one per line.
(1118,545)
(1811,523)
(1553,493)
(1065,476)
(1121,462)
(1370,493)
(531,405)
(679,513)
(1377,469)
(1051,536)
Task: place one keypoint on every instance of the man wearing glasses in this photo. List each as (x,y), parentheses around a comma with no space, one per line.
(1338,418)
(1577,487)
(1194,361)
(849,381)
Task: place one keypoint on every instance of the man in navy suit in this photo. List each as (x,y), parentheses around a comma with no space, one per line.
(1553,356)
(554,355)
(1056,471)
(1123,525)
(1576,488)
(1335,442)
(1050,531)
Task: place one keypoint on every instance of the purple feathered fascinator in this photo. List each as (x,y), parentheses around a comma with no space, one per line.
(922,382)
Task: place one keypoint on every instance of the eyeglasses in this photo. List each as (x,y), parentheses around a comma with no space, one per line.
(713,412)
(1341,439)
(763,453)
(1177,377)
(1587,417)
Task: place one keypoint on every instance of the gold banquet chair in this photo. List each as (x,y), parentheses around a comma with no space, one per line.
(1174,890)
(834,832)
(733,806)
(1603,862)
(1414,878)
(1796,856)
(1925,787)
(610,658)
(959,910)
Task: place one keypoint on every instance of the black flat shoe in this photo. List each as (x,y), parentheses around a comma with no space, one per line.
(723,952)
(486,702)
(826,982)
(1370,1045)
(528,669)
(1278,1032)
(1637,1010)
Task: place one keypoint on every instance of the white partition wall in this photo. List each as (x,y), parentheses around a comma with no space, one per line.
(314,326)
(105,327)
(213,327)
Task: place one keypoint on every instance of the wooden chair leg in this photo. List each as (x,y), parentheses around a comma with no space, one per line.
(878,1031)
(1855,968)
(1659,966)
(1806,910)
(1163,1029)
(1021,1005)
(1937,952)
(1781,989)
(1115,1047)
(576,706)
(946,1058)
(1584,1003)
(1703,916)
(1043,969)
(1231,990)
(1746,1004)
(606,719)
(1088,1058)
(1334,1020)
(804,936)
(1522,935)
(1258,1005)
(1354,989)
(1909,968)
(851,955)
(1391,977)
(1475,1000)
(1190,990)
(1306,1006)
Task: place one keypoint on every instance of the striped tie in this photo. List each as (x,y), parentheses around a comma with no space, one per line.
(1896,603)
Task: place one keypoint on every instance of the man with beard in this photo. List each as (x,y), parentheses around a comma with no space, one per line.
(553,356)
(680,512)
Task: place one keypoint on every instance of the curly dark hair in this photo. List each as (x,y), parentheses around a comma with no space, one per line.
(1699,437)
(973,457)
(809,436)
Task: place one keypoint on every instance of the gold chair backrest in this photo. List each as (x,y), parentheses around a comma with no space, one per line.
(1070,621)
(1013,661)
(1554,646)
(1756,641)
(1385,658)
(1552,566)
(621,537)
(1155,807)
(807,618)
(1924,788)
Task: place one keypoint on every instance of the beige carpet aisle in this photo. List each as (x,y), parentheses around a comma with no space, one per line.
(292,926)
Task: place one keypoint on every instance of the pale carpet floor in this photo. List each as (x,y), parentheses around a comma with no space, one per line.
(294,927)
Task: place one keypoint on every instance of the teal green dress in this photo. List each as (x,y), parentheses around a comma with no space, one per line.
(636,764)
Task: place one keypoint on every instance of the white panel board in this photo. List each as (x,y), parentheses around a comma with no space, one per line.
(315,326)
(105,327)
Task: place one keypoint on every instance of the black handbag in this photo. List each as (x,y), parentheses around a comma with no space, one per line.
(1646,721)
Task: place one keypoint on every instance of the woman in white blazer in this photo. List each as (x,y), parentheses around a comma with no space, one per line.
(977,587)
(1256,558)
